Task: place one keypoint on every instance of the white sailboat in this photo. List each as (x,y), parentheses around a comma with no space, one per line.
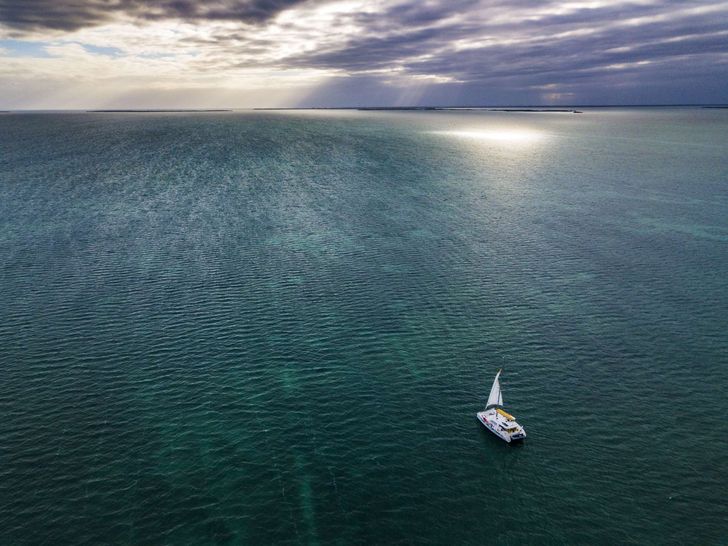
(496,419)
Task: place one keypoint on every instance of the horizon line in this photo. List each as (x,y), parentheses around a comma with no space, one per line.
(366,107)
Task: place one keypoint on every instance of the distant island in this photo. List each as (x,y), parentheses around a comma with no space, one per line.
(449,108)
(434,109)
(160,111)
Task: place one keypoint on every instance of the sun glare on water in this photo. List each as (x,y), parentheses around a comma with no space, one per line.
(514,136)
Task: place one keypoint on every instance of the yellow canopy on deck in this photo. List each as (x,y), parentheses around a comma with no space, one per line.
(505,414)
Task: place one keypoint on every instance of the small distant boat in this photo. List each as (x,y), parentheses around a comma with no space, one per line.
(496,419)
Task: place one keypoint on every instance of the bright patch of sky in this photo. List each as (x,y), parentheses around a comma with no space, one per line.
(23,48)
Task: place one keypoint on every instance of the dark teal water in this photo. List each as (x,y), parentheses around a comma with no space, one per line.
(254,328)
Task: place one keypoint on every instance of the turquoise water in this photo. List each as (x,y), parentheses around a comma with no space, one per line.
(276,327)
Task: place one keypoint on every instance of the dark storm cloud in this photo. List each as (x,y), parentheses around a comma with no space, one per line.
(68,15)
(575,51)
(565,56)
(544,47)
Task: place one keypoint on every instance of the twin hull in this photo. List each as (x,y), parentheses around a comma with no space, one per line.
(488,422)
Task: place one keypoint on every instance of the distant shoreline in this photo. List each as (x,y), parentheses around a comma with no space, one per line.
(154,111)
(433,109)
(456,108)
(510,108)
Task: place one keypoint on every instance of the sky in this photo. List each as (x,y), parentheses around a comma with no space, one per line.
(77,54)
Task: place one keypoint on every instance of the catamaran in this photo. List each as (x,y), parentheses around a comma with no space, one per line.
(496,419)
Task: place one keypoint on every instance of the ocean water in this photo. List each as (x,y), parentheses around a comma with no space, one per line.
(277,327)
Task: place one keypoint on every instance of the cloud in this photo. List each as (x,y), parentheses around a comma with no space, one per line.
(563,48)
(357,52)
(69,15)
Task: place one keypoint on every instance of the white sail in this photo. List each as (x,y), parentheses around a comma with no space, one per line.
(495,398)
